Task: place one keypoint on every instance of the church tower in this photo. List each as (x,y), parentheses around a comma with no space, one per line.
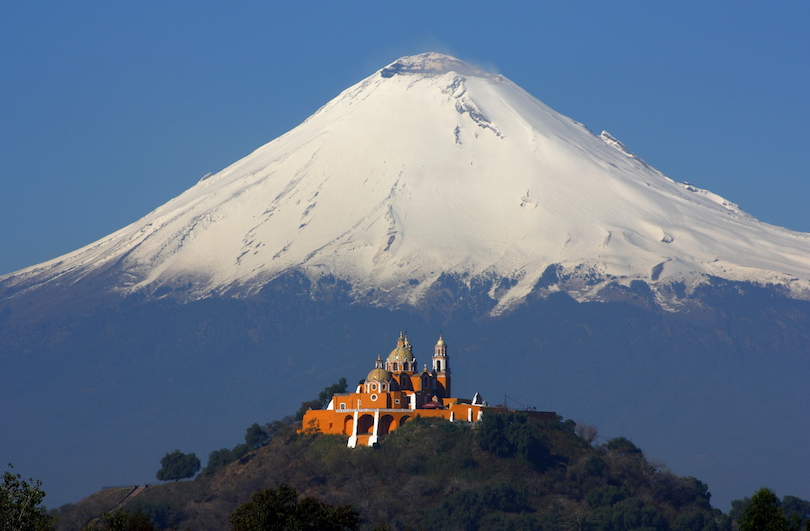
(401,363)
(441,369)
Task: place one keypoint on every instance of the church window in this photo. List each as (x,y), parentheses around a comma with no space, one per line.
(373,398)
(395,367)
(342,405)
(374,387)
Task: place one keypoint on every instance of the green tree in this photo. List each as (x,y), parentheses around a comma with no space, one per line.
(20,508)
(631,514)
(162,514)
(796,510)
(121,520)
(218,459)
(280,427)
(700,521)
(511,433)
(239,451)
(460,510)
(764,514)
(256,437)
(491,434)
(177,465)
(606,496)
(623,446)
(323,398)
(326,395)
(281,510)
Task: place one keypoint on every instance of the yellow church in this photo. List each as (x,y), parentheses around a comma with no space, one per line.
(394,392)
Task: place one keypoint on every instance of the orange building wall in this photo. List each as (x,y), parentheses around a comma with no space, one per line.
(341,422)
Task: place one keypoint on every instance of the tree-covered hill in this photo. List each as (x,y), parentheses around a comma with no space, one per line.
(507,472)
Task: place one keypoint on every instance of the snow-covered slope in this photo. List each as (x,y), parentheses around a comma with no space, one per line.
(431,166)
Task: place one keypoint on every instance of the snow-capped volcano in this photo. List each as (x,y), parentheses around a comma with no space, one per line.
(428,167)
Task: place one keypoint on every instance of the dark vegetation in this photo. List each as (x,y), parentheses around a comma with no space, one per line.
(21,504)
(280,509)
(283,509)
(764,511)
(323,399)
(507,472)
(121,520)
(177,465)
(255,438)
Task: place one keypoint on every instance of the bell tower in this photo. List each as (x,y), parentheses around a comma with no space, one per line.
(441,369)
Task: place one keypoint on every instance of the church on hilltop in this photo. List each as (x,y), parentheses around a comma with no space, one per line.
(394,392)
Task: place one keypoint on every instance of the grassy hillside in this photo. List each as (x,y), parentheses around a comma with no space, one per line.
(507,472)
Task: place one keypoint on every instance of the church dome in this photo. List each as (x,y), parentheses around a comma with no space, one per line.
(378,375)
(403,352)
(400,354)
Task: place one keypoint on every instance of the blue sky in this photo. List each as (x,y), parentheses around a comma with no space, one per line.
(109,109)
